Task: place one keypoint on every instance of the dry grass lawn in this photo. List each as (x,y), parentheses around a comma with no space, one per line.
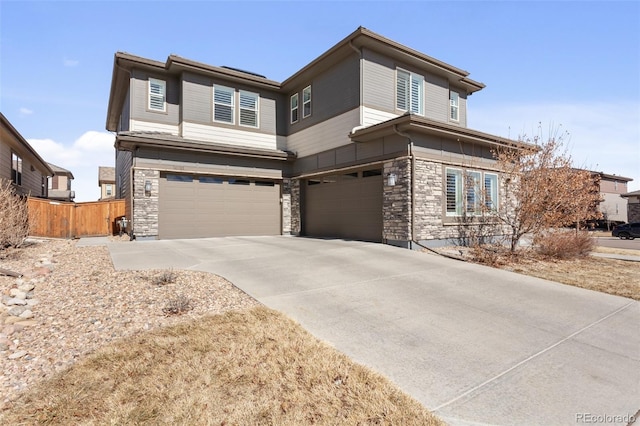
(244,367)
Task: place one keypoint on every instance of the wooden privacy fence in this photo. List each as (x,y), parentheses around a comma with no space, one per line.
(59,219)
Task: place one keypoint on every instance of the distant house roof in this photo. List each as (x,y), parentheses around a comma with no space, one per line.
(614,177)
(57,170)
(631,194)
(106,175)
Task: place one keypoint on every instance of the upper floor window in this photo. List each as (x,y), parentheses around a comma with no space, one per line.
(294,108)
(248,109)
(16,169)
(157,95)
(306,102)
(467,192)
(223,104)
(108,190)
(454,102)
(410,92)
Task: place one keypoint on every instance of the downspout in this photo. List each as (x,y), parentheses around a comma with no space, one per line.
(413,178)
(360,106)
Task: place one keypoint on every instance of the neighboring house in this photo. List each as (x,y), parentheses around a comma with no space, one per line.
(107,182)
(20,163)
(613,205)
(633,206)
(60,184)
(369,141)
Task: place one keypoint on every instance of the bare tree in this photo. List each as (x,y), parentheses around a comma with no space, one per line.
(14,216)
(543,190)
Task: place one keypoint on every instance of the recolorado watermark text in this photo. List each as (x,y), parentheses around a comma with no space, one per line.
(604,418)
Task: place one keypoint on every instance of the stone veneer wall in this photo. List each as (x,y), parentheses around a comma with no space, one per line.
(145,207)
(396,201)
(286,206)
(294,186)
(429,199)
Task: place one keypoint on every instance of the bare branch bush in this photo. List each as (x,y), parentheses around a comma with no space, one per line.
(14,216)
(543,190)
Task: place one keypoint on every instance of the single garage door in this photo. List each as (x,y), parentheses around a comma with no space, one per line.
(347,205)
(208,206)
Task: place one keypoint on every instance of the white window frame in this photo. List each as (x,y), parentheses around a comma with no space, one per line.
(16,168)
(470,188)
(413,100)
(306,101)
(255,109)
(294,108)
(160,96)
(454,106)
(232,104)
(108,189)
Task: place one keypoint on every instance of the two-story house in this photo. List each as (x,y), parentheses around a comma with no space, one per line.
(613,206)
(107,182)
(20,163)
(60,184)
(369,141)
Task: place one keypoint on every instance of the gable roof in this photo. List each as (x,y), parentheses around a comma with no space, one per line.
(4,122)
(58,171)
(106,174)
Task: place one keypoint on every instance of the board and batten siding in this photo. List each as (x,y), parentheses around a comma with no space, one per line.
(140,99)
(124,162)
(333,92)
(327,135)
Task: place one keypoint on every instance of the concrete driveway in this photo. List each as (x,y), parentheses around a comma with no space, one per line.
(473,344)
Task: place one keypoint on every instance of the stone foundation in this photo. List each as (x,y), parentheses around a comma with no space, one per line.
(396,201)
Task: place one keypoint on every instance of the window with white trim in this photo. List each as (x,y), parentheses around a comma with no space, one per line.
(409,92)
(157,95)
(467,190)
(294,108)
(306,102)
(223,104)
(16,169)
(108,191)
(454,102)
(249,109)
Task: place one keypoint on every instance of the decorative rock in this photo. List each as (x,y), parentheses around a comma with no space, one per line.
(16,311)
(11,320)
(32,302)
(27,323)
(26,287)
(4,344)
(29,295)
(17,355)
(18,294)
(27,314)
(15,301)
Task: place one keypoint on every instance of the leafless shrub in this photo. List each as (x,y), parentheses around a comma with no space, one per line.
(178,305)
(564,244)
(14,216)
(165,277)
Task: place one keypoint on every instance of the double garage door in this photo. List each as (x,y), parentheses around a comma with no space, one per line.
(208,206)
(347,205)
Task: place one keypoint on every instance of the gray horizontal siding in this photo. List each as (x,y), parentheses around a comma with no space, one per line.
(192,162)
(436,100)
(333,92)
(124,162)
(140,99)
(31,180)
(378,81)
(197,103)
(125,117)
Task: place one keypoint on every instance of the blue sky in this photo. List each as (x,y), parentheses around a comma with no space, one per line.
(569,64)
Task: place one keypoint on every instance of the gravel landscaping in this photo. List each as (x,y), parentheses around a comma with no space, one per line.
(70,301)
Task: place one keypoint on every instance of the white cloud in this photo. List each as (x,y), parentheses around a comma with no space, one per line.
(83,157)
(25,111)
(603,136)
(70,62)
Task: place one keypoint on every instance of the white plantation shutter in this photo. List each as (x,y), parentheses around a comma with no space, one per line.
(402,90)
(454,192)
(248,109)
(157,94)
(454,101)
(416,93)
(223,104)
(491,191)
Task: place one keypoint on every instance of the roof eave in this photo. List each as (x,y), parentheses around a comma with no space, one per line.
(26,144)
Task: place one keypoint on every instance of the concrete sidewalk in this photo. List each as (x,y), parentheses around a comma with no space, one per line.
(475,345)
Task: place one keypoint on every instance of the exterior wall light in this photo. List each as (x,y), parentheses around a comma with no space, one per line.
(391,179)
(147,187)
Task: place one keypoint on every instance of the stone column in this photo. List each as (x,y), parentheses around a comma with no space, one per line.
(145,205)
(295,207)
(396,201)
